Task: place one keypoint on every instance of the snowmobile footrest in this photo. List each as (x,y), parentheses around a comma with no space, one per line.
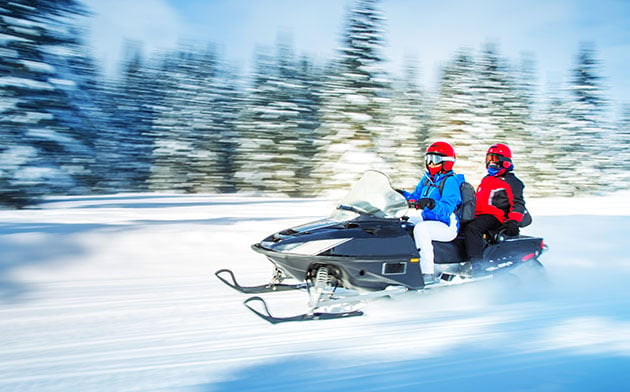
(266,315)
(267,288)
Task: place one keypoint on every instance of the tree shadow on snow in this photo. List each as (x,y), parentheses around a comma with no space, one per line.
(467,370)
(55,242)
(52,247)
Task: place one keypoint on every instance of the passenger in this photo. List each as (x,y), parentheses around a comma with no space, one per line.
(437,221)
(500,202)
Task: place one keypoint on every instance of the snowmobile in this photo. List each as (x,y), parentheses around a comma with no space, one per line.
(365,250)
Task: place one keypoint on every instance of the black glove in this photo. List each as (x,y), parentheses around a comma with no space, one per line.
(426,202)
(401,191)
(510,228)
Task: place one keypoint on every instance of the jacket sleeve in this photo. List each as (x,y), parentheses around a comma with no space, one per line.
(517,211)
(451,198)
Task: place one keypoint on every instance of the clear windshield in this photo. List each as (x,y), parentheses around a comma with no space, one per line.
(372,195)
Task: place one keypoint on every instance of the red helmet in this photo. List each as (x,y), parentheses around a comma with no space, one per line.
(499,153)
(441,155)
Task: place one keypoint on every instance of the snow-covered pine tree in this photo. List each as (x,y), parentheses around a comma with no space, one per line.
(355,103)
(491,93)
(124,147)
(526,80)
(86,114)
(46,138)
(620,172)
(454,118)
(255,140)
(588,131)
(276,127)
(309,78)
(537,168)
(174,152)
(506,114)
(193,129)
(556,140)
(221,135)
(410,127)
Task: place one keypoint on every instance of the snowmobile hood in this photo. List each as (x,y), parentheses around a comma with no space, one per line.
(310,239)
(361,237)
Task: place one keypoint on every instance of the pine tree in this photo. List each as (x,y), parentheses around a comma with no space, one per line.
(226,101)
(194,130)
(409,130)
(482,102)
(537,167)
(308,99)
(276,130)
(255,139)
(588,131)
(455,118)
(46,138)
(355,101)
(124,147)
(620,150)
(555,162)
(175,153)
(507,114)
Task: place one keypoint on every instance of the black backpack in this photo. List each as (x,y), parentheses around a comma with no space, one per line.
(466,210)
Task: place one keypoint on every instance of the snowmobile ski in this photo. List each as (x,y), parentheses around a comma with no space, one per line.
(266,288)
(266,315)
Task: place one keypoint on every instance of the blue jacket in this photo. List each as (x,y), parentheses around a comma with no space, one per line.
(445,203)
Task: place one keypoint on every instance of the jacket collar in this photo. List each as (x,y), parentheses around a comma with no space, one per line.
(438,177)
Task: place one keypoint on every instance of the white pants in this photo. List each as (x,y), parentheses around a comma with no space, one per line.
(426,231)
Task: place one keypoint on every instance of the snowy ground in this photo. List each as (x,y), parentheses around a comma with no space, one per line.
(117,293)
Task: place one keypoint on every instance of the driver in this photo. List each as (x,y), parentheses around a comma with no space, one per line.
(437,195)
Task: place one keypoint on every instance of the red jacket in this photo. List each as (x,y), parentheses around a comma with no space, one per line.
(502,197)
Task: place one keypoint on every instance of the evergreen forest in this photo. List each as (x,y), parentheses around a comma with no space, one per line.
(186,121)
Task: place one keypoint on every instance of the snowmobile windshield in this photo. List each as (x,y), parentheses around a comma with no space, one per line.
(373,195)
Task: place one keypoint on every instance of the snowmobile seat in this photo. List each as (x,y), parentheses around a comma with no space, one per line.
(450,252)
(455,251)
(445,252)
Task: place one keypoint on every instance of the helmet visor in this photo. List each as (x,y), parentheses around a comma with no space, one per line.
(436,159)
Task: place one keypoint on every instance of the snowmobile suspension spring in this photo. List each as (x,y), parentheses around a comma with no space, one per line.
(322,279)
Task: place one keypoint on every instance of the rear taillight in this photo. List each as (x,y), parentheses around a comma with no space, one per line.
(528,256)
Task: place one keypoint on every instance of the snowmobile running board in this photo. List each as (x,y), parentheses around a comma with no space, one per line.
(266,315)
(266,288)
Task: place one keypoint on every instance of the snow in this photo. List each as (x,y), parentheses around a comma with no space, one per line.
(11,81)
(118,292)
(6,39)
(48,134)
(37,66)
(63,82)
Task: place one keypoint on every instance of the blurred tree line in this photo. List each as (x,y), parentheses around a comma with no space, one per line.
(185,121)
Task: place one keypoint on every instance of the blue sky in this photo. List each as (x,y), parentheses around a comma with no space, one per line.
(427,30)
